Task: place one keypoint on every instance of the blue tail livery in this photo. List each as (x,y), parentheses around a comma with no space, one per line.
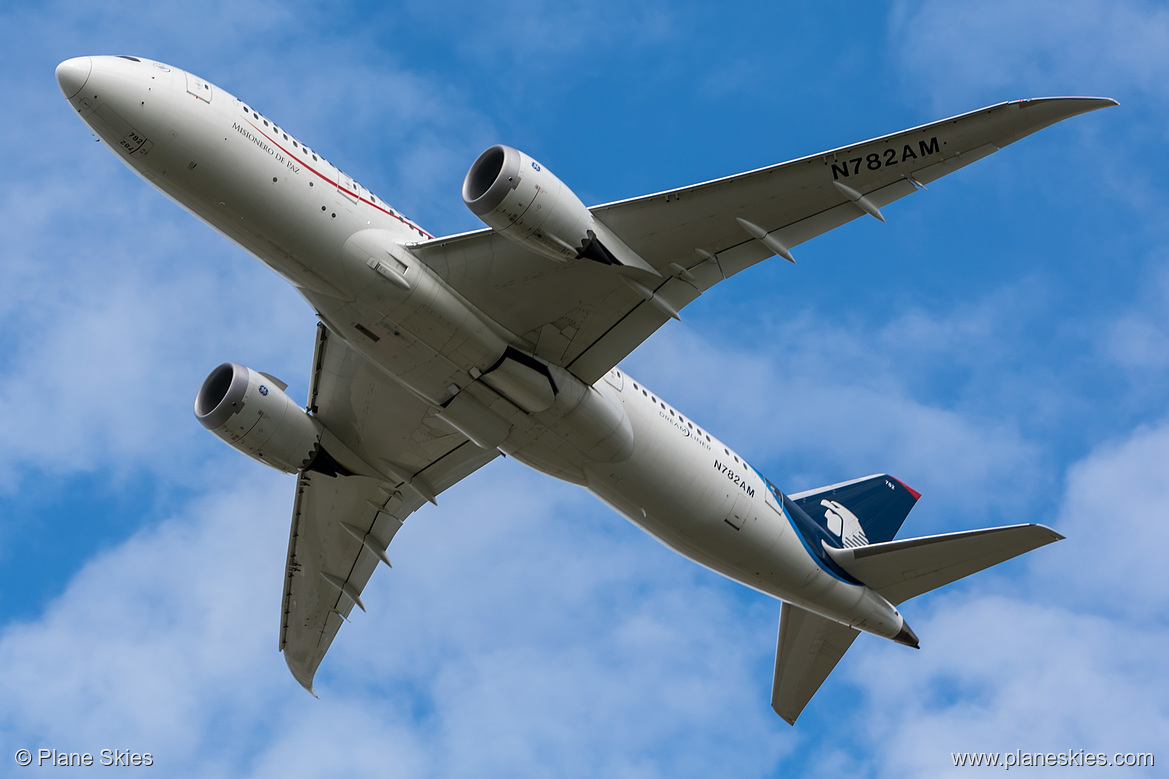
(863,511)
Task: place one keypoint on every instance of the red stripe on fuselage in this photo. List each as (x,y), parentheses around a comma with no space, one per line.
(335,184)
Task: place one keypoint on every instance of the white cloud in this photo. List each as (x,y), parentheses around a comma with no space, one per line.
(1066,657)
(1112,513)
(1135,343)
(1007,672)
(1056,47)
(152,639)
(504,640)
(104,345)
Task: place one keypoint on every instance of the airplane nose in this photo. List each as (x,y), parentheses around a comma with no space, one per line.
(72,75)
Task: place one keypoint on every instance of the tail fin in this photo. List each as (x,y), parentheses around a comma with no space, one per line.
(879,503)
(900,570)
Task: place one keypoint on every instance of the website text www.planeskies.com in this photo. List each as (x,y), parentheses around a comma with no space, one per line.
(1069,758)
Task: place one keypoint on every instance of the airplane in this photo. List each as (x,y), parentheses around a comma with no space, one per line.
(434,356)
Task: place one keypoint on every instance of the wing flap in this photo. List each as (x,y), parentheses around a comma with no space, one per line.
(900,570)
(808,648)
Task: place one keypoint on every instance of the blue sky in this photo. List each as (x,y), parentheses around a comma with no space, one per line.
(1002,345)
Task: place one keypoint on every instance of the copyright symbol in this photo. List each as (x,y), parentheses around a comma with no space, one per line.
(23,757)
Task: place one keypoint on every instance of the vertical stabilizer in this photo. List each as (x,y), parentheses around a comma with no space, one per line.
(862,511)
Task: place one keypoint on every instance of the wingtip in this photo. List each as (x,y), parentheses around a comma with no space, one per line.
(305,680)
(1076,105)
(1053,535)
(1096,103)
(791,720)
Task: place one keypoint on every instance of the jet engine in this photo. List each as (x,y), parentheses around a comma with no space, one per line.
(252,413)
(521,199)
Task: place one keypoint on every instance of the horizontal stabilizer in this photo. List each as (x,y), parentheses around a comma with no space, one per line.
(900,570)
(809,647)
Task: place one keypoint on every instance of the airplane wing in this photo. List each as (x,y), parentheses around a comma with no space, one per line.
(809,647)
(341,526)
(587,316)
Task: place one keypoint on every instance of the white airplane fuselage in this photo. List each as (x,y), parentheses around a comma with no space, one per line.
(348,253)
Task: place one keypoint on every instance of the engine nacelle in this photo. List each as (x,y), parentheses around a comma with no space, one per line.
(253,414)
(521,199)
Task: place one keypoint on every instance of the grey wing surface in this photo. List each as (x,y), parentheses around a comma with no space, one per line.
(587,316)
(342,525)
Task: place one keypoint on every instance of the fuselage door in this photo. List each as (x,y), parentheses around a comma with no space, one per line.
(347,186)
(199,88)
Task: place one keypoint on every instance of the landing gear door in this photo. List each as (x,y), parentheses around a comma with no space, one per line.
(199,88)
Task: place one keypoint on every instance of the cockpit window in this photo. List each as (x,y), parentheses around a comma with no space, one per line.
(127,57)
